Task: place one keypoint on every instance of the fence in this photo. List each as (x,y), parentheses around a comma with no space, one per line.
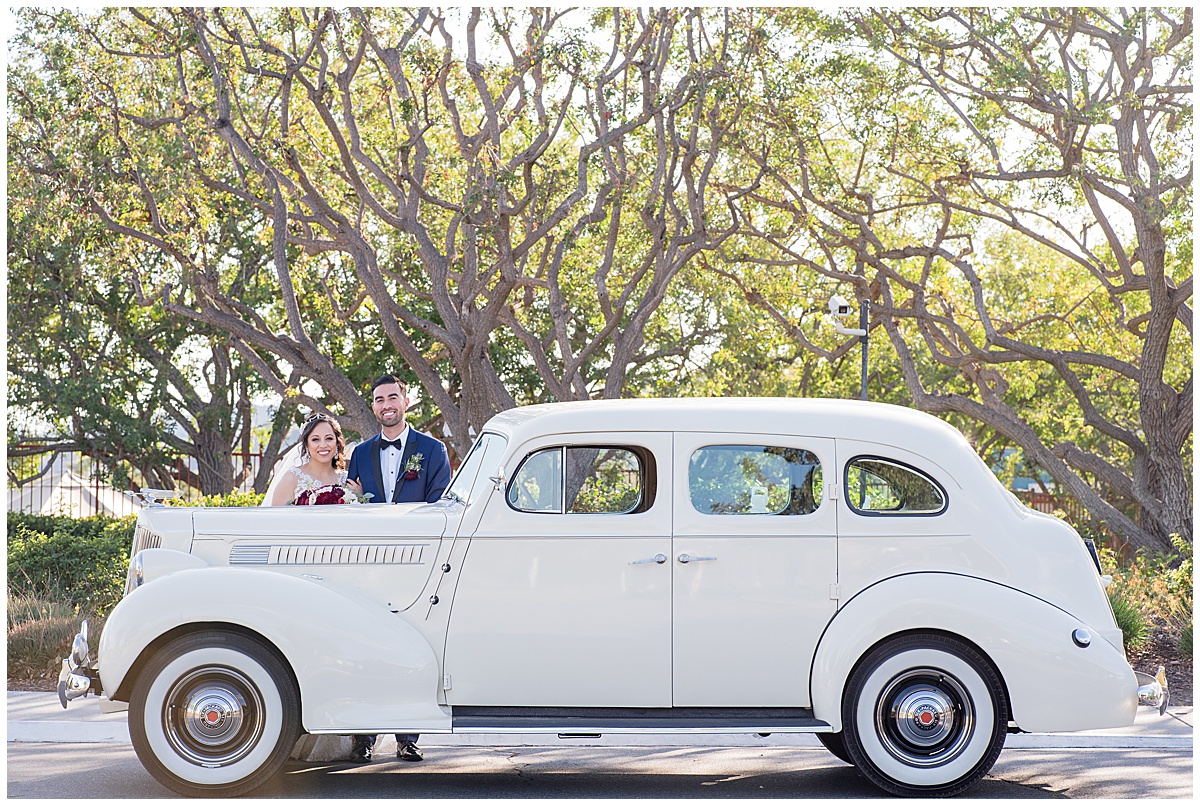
(71,486)
(1048,502)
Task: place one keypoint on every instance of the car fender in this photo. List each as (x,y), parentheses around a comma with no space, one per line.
(359,666)
(1029,641)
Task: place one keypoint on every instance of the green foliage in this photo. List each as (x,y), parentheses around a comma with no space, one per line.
(572,273)
(609,489)
(233,499)
(83,560)
(735,479)
(1134,628)
(1158,587)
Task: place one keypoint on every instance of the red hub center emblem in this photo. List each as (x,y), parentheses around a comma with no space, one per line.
(926,718)
(212,717)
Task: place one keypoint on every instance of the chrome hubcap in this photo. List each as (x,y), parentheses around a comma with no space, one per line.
(213,716)
(924,717)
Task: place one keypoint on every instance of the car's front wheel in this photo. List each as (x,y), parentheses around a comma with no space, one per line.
(214,714)
(924,716)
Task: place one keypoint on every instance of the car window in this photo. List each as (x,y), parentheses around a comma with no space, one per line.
(591,479)
(537,485)
(488,445)
(754,480)
(877,486)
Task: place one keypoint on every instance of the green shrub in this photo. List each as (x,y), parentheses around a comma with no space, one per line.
(83,560)
(1157,586)
(1134,628)
(233,499)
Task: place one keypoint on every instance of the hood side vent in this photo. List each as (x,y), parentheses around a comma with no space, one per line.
(329,554)
(249,555)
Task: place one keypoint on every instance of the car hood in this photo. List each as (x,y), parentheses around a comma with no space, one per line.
(351,521)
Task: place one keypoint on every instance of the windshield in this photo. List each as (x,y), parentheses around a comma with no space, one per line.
(464,480)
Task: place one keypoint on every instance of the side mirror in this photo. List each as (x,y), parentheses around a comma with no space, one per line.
(498,479)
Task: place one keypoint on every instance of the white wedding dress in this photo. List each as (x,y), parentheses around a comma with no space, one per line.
(290,463)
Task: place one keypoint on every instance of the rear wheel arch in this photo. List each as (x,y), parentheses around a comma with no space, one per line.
(918,632)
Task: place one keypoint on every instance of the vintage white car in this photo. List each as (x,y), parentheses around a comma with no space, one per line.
(851,570)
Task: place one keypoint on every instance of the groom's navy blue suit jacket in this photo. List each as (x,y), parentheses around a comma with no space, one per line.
(432,479)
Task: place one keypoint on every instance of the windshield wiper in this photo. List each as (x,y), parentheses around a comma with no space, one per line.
(453,496)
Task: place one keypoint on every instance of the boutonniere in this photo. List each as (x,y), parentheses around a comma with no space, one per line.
(412,468)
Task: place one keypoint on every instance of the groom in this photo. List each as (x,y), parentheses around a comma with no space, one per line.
(400,465)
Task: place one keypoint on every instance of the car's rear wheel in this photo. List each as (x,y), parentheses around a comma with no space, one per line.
(835,743)
(214,714)
(924,716)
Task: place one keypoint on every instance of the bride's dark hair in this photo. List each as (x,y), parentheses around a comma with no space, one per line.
(339,458)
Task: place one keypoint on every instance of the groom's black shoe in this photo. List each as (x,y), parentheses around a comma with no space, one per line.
(408,751)
(360,751)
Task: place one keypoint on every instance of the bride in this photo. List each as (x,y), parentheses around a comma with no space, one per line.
(320,478)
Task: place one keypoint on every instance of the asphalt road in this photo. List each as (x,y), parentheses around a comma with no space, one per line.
(91,771)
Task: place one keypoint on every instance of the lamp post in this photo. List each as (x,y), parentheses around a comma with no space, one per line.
(839,309)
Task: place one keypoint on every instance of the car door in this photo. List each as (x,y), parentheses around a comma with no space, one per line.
(754,561)
(565,593)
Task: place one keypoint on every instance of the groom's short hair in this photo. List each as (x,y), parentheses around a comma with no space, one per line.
(386,379)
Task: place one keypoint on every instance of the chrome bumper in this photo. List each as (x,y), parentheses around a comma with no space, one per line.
(77,676)
(1153,690)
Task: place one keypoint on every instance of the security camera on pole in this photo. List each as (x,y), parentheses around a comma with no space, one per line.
(840,309)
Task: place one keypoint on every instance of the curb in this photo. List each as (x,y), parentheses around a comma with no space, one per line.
(117,732)
(37,717)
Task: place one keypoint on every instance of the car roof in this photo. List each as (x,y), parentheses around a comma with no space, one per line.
(814,417)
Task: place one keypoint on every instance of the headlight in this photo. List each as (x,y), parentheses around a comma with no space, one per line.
(151,565)
(135,578)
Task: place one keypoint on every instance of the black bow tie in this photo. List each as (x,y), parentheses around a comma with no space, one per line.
(398,444)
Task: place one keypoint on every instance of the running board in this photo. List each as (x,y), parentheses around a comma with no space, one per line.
(594,721)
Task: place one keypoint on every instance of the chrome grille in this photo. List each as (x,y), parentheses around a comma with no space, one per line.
(143,538)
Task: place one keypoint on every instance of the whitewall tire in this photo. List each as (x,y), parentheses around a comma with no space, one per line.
(924,715)
(214,714)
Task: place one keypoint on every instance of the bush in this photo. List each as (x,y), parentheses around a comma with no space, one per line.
(62,570)
(1134,629)
(233,499)
(83,560)
(1158,587)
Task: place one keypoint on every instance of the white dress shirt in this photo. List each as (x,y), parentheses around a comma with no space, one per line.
(389,465)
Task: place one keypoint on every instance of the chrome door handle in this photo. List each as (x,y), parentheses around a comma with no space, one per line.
(687,558)
(657,558)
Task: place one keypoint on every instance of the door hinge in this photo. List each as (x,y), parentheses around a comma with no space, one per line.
(834,593)
(447,683)
(833,490)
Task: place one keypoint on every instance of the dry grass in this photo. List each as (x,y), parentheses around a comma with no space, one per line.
(40,630)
